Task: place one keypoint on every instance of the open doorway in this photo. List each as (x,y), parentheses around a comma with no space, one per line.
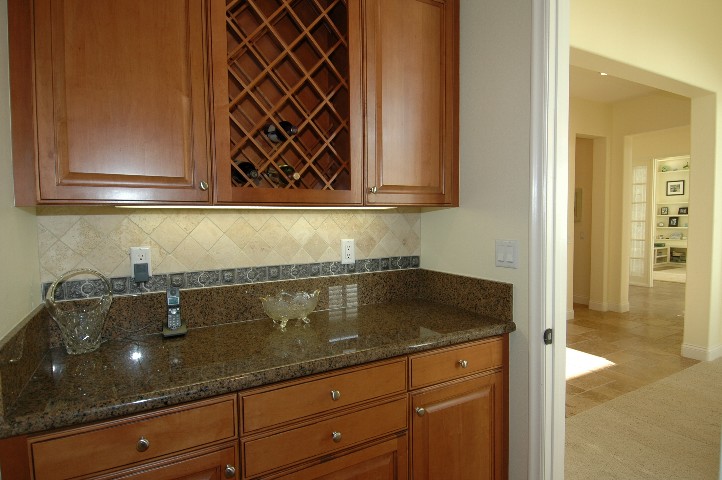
(621,133)
(627,336)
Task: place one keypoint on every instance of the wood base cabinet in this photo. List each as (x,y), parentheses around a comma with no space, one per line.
(385,460)
(172,443)
(217,464)
(457,430)
(439,414)
(459,427)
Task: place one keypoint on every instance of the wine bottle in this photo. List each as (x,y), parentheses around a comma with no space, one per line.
(277,136)
(248,168)
(289,172)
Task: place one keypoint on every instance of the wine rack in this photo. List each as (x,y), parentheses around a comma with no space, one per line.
(288,63)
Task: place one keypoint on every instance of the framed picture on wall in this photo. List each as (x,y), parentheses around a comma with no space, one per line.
(683,211)
(664,211)
(674,221)
(675,187)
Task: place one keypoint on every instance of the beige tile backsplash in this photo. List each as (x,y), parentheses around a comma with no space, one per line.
(191,240)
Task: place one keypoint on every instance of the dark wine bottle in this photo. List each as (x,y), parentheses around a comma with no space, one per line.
(290,172)
(248,168)
(276,178)
(277,136)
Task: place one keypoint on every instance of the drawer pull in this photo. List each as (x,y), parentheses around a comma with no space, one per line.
(463,363)
(420,411)
(336,436)
(143,444)
(230,471)
(335,395)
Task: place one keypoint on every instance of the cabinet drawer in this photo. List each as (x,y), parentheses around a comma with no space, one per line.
(292,446)
(455,362)
(282,405)
(76,452)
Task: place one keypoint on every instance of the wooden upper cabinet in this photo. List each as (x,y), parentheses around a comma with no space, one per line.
(120,89)
(411,86)
(287,101)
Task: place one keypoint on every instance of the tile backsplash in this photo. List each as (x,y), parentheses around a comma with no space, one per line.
(201,240)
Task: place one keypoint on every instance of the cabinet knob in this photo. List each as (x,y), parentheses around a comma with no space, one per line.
(336,436)
(230,471)
(203,185)
(420,411)
(143,444)
(335,395)
(463,363)
(373,190)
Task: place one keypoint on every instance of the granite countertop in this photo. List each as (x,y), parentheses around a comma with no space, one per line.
(136,374)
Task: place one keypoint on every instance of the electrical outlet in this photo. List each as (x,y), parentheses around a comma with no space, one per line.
(348,255)
(140,264)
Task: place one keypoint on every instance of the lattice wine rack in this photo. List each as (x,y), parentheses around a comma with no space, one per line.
(288,88)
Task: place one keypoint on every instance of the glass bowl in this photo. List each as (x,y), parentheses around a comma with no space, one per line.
(284,306)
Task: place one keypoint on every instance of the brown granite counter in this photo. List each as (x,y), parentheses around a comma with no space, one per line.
(138,373)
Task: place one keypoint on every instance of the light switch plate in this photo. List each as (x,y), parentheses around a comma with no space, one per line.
(506,253)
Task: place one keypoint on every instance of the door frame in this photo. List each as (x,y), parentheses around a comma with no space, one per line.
(549,159)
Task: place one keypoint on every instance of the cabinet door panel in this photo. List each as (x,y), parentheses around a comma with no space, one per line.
(412,91)
(460,433)
(121,91)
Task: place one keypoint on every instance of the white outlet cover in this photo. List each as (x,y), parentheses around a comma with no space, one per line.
(348,253)
(140,255)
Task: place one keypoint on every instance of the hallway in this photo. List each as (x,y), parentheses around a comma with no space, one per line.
(610,354)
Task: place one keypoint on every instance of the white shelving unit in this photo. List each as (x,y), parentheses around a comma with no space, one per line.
(671,227)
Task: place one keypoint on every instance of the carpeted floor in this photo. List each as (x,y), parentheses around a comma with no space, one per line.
(669,429)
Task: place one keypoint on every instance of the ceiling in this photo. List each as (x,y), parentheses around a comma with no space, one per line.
(590,85)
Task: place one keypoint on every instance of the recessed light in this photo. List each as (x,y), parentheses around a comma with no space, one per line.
(604,74)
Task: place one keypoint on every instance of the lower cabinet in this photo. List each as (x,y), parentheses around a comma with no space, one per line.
(169,443)
(457,430)
(440,414)
(215,464)
(384,460)
(459,418)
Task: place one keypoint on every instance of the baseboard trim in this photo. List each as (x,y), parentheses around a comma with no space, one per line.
(619,307)
(598,306)
(583,299)
(700,353)
(570,314)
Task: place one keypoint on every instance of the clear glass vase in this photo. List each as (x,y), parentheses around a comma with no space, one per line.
(80,321)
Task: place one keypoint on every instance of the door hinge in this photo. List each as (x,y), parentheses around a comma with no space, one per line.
(548,336)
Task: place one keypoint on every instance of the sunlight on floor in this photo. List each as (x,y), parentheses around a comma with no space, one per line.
(581,363)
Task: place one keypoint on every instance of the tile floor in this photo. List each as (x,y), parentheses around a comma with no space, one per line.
(643,345)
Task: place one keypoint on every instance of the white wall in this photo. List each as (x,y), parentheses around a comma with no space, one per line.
(592,120)
(495,180)
(19,279)
(673,46)
(583,169)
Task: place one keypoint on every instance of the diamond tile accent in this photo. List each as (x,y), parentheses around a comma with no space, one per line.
(209,240)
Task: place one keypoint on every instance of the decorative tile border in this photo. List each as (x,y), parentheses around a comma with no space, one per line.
(79,289)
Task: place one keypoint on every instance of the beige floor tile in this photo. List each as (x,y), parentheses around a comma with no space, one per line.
(644,344)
